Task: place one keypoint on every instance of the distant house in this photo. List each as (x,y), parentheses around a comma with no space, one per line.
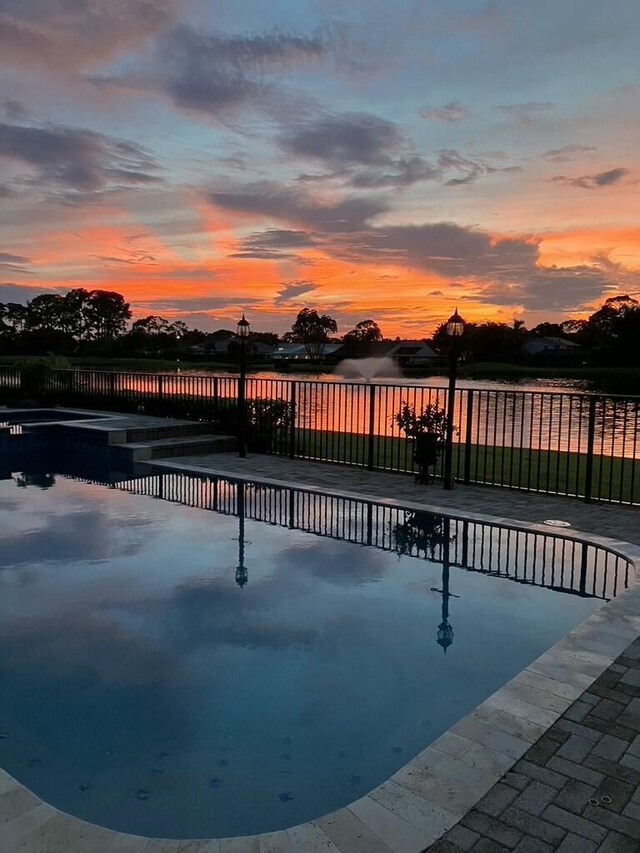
(259,351)
(226,347)
(220,346)
(299,352)
(413,354)
(551,350)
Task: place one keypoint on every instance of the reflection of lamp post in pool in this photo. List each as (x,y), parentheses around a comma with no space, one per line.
(242,575)
(445,630)
(455,329)
(242,333)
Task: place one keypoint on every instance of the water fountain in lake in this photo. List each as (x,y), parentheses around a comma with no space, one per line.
(368,368)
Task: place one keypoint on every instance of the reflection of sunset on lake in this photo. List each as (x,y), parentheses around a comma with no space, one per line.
(264,158)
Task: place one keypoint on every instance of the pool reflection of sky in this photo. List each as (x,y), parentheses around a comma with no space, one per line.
(143,689)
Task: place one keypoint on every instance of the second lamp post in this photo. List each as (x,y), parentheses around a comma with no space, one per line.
(455,330)
(243,333)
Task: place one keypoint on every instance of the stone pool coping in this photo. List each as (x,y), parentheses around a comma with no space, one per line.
(85,416)
(430,794)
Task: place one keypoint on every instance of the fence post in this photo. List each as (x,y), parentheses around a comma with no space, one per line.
(467,438)
(591,434)
(372,420)
(112,384)
(292,421)
(216,403)
(583,570)
(292,509)
(160,389)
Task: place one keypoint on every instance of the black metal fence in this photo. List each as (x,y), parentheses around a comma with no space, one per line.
(553,442)
(527,557)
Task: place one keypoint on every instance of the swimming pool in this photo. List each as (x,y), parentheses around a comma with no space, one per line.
(186,656)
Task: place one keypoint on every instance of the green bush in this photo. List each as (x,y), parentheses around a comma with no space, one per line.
(268,422)
(34,373)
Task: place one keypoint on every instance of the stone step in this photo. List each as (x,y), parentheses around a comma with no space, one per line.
(164,448)
(158,432)
(116,430)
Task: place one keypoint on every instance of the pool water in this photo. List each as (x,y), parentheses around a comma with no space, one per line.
(175,672)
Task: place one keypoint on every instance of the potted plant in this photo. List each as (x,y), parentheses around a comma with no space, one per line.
(420,532)
(428,430)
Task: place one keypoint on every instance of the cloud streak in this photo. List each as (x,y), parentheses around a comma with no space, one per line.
(218,74)
(594,182)
(66,35)
(76,159)
(567,153)
(451,112)
(271,200)
(293,290)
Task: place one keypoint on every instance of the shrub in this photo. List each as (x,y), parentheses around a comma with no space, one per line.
(35,372)
(432,419)
(267,423)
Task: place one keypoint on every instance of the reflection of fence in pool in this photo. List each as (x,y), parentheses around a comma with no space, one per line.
(553,442)
(524,556)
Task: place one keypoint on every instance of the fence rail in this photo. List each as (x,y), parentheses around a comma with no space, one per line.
(527,557)
(583,445)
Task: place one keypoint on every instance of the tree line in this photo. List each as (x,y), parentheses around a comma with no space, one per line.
(609,337)
(96,323)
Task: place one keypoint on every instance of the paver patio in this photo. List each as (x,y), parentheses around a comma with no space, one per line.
(577,790)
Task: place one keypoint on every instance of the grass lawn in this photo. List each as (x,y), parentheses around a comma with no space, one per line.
(541,470)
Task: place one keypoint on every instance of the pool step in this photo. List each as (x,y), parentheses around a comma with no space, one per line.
(190,445)
(116,430)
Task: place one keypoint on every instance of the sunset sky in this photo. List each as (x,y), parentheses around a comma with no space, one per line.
(373,159)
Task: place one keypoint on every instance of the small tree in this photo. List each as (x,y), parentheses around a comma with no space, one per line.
(432,419)
(312,330)
(362,337)
(428,430)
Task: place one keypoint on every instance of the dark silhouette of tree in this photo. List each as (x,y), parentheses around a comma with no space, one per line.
(15,318)
(47,311)
(265,337)
(362,338)
(366,331)
(573,329)
(150,325)
(484,341)
(312,330)
(549,330)
(603,327)
(108,314)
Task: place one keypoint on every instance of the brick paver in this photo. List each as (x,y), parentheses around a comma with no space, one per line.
(572,792)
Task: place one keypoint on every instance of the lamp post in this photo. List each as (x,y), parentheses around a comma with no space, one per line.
(243,333)
(242,575)
(445,634)
(455,329)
